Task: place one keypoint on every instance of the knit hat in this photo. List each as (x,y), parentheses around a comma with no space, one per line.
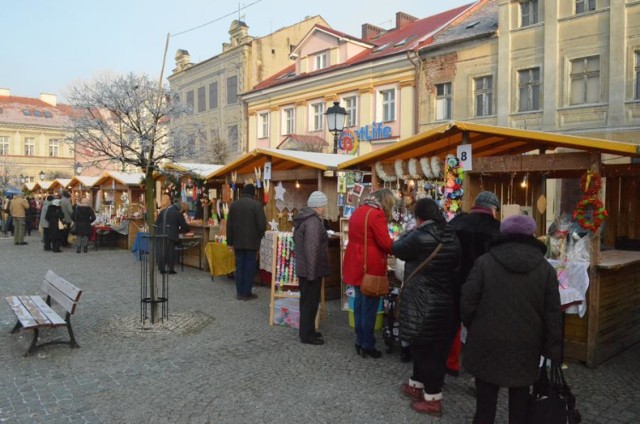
(249,190)
(56,202)
(518,224)
(317,199)
(487,199)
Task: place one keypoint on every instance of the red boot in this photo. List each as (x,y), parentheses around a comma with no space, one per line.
(430,407)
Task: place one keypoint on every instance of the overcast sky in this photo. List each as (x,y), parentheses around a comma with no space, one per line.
(49,45)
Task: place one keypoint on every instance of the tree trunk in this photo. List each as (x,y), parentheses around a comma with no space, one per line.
(150,202)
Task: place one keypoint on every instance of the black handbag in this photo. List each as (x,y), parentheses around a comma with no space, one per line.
(551,400)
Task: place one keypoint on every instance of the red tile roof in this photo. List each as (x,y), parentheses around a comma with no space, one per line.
(13,112)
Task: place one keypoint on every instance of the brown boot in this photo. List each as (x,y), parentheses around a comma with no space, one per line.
(430,407)
(411,391)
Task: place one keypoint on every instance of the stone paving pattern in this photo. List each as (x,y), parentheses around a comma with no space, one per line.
(220,362)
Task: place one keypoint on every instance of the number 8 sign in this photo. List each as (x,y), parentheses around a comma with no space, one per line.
(465,156)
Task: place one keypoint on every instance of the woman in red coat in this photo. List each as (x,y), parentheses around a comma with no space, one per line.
(379,208)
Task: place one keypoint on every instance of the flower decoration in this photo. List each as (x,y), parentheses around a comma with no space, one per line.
(590,184)
(452,189)
(598,213)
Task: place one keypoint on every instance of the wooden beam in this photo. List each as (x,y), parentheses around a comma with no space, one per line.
(593,298)
(532,163)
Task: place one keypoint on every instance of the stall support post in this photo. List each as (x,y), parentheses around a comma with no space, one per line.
(594,283)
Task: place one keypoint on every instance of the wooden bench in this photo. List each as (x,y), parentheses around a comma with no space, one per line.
(35,313)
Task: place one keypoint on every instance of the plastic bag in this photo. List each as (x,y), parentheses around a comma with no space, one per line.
(398,269)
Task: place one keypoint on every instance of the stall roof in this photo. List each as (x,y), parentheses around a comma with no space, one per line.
(45,185)
(129,179)
(59,182)
(281,160)
(84,180)
(487,140)
(199,169)
(30,186)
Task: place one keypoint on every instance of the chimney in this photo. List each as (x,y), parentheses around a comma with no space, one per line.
(404,19)
(5,92)
(183,60)
(48,99)
(370,31)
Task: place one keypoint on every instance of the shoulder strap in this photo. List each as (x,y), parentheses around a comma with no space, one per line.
(419,267)
(366,220)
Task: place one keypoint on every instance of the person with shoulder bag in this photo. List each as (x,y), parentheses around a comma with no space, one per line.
(428,302)
(83,216)
(368,237)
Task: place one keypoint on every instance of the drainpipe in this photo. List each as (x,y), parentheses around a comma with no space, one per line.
(416,97)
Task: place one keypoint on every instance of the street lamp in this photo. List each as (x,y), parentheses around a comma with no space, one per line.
(78,168)
(336,116)
(41,175)
(23,179)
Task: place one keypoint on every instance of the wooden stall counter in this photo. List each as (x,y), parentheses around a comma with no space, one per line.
(612,322)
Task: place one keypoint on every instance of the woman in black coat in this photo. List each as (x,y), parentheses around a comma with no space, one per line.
(429,303)
(54,216)
(83,216)
(511,307)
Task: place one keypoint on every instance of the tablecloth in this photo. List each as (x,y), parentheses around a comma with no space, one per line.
(574,282)
(221,259)
(141,244)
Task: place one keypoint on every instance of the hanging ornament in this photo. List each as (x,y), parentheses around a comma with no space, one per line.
(379,167)
(435,167)
(426,168)
(280,190)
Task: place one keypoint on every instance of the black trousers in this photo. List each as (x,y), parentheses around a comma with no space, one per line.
(429,364)
(46,238)
(165,254)
(487,399)
(309,299)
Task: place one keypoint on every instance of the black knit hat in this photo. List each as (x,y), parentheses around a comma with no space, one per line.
(249,190)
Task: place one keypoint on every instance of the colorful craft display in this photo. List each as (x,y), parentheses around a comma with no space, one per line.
(452,190)
(590,184)
(285,261)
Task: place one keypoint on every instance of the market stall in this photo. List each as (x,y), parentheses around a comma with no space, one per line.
(554,178)
(84,187)
(59,184)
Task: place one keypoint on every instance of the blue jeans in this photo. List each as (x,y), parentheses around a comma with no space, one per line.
(365,309)
(245,270)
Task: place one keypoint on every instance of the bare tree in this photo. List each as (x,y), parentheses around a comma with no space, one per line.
(125,120)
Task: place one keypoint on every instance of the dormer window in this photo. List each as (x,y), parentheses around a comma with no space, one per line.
(321,61)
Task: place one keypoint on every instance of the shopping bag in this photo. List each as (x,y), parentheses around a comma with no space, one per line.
(551,400)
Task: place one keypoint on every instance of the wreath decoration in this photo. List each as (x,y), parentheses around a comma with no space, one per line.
(590,184)
(426,168)
(382,174)
(435,166)
(413,168)
(399,168)
(597,217)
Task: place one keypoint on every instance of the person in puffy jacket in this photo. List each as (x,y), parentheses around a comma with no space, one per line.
(312,263)
(379,208)
(428,304)
(511,307)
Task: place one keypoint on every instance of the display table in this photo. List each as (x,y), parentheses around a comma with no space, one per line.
(221,259)
(188,249)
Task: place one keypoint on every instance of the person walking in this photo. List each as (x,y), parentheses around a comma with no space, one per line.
(312,263)
(511,308)
(18,209)
(246,225)
(83,216)
(44,224)
(170,223)
(428,305)
(370,218)
(67,210)
(474,229)
(55,218)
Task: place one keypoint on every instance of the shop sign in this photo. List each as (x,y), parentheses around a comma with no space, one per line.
(349,139)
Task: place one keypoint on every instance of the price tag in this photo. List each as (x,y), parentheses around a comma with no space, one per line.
(267,171)
(465,156)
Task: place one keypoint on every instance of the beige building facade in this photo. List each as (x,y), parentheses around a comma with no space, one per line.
(32,138)
(559,66)
(211,88)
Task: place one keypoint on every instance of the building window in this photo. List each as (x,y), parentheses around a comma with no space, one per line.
(190,100)
(29,146)
(232,136)
(54,148)
(529,89)
(443,101)
(202,101)
(289,123)
(263,131)
(583,6)
(528,12)
(232,90)
(213,95)
(388,102)
(321,61)
(4,146)
(351,106)
(585,80)
(637,77)
(483,95)
(317,116)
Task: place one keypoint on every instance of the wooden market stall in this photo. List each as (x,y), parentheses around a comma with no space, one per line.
(521,167)
(82,186)
(58,185)
(294,175)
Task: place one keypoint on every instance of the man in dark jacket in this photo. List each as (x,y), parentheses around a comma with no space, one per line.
(511,307)
(474,229)
(246,225)
(170,223)
(312,263)
(67,210)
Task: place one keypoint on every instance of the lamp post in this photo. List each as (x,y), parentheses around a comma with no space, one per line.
(336,117)
(23,179)
(78,168)
(41,175)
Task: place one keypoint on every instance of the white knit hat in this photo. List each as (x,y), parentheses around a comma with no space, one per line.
(317,199)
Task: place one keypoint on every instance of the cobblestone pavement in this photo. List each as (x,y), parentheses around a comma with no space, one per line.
(219,361)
